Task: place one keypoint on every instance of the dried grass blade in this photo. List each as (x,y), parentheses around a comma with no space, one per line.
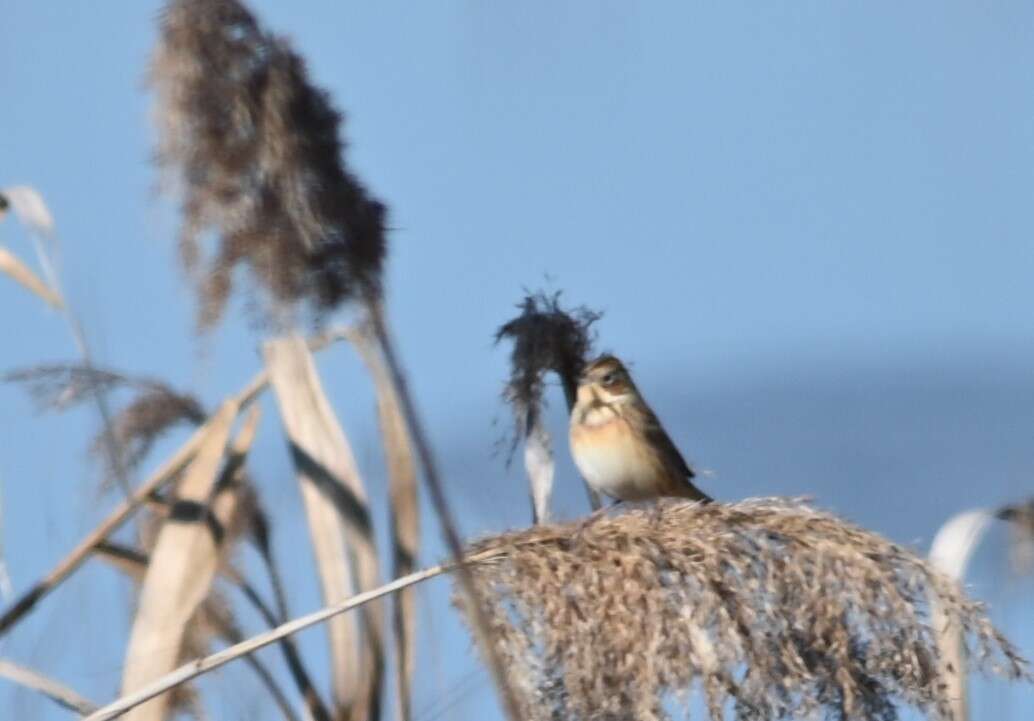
(130,561)
(339,523)
(179,576)
(59,693)
(317,710)
(133,563)
(224,623)
(484,634)
(405,515)
(261,538)
(200,666)
(21,273)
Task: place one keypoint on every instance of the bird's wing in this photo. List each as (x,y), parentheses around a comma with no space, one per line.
(659,439)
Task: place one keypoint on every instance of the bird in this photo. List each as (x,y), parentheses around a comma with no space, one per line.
(618,443)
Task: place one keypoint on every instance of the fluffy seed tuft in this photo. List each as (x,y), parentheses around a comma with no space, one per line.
(769,606)
(546,338)
(155,409)
(255,150)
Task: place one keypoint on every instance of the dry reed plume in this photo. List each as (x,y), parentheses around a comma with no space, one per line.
(155,408)
(773,608)
(546,338)
(59,386)
(144,419)
(255,150)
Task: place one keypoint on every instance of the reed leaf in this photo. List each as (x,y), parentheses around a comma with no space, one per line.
(405,514)
(200,666)
(211,614)
(340,525)
(260,537)
(183,563)
(20,273)
(440,504)
(55,691)
(218,618)
(133,563)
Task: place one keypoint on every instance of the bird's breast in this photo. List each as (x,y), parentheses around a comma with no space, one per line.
(614,460)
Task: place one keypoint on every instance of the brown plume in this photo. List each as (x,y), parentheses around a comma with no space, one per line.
(155,409)
(546,337)
(255,150)
(770,605)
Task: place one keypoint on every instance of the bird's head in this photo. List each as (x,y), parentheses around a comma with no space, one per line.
(606,379)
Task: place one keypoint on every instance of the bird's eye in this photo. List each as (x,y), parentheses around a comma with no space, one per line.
(610,378)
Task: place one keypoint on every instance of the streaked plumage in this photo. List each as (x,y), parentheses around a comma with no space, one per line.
(619,444)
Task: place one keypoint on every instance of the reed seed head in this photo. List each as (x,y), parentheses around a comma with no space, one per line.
(254,148)
(770,607)
(144,420)
(59,386)
(546,338)
(155,409)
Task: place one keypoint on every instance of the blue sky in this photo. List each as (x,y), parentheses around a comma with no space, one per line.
(810,228)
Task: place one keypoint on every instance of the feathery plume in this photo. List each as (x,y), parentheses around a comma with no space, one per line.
(143,421)
(59,386)
(156,409)
(546,338)
(770,605)
(255,150)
